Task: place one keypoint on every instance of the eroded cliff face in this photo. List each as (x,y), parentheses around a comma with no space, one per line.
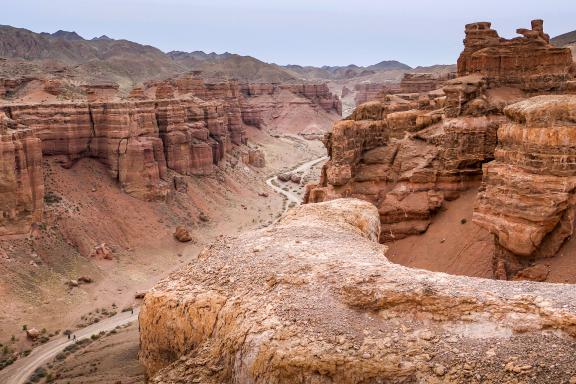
(332,309)
(409,152)
(21,179)
(180,125)
(528,193)
(529,62)
(137,140)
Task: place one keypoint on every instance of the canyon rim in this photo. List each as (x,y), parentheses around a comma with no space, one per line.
(176,216)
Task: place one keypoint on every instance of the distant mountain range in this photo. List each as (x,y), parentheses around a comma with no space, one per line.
(128,63)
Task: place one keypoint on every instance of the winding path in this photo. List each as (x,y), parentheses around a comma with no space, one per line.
(291,196)
(20,371)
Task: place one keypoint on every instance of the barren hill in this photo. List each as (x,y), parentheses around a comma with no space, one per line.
(567,40)
(229,65)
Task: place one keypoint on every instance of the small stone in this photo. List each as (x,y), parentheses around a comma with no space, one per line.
(440,370)
(182,235)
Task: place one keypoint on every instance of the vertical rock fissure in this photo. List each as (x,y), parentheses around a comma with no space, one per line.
(92,130)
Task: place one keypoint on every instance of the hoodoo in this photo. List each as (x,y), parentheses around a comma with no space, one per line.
(408,153)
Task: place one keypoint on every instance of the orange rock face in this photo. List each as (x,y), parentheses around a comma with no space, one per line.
(528,193)
(421,82)
(529,62)
(408,152)
(405,168)
(22,192)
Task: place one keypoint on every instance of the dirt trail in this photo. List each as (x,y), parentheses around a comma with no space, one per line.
(19,372)
(292,197)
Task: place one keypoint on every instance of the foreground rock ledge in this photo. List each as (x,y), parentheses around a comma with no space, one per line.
(313,299)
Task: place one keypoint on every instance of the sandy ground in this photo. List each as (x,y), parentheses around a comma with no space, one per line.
(466,249)
(88,208)
(98,361)
(448,245)
(93,210)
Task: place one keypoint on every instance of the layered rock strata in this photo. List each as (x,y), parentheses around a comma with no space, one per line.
(21,179)
(529,62)
(332,309)
(405,163)
(422,82)
(187,135)
(408,152)
(528,195)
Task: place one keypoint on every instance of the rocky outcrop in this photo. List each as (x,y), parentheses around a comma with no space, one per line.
(406,163)
(332,309)
(187,135)
(528,195)
(422,82)
(366,92)
(408,152)
(100,92)
(529,62)
(22,191)
(255,158)
(318,94)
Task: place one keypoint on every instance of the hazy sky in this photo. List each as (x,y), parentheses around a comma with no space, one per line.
(306,32)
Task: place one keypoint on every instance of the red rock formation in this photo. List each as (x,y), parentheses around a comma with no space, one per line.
(137,140)
(406,156)
(405,168)
(422,82)
(137,93)
(9,86)
(366,92)
(528,196)
(335,310)
(319,94)
(529,62)
(22,192)
(255,158)
(100,92)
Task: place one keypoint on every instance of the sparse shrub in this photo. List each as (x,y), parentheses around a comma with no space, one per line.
(463,221)
(38,374)
(51,198)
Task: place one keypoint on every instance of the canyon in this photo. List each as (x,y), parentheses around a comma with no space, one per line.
(434,242)
(410,153)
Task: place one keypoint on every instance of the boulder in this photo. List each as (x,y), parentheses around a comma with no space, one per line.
(102,251)
(333,309)
(32,333)
(182,235)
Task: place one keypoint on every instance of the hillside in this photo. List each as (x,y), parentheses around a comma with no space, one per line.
(117,60)
(566,40)
(229,65)
(65,54)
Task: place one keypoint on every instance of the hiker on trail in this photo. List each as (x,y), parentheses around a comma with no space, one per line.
(132,311)
(68,336)
(74,337)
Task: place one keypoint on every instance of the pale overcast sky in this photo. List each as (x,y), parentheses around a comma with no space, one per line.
(306,32)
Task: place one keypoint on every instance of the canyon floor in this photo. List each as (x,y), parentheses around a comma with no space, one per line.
(140,235)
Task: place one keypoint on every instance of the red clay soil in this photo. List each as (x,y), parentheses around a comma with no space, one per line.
(448,245)
(466,249)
